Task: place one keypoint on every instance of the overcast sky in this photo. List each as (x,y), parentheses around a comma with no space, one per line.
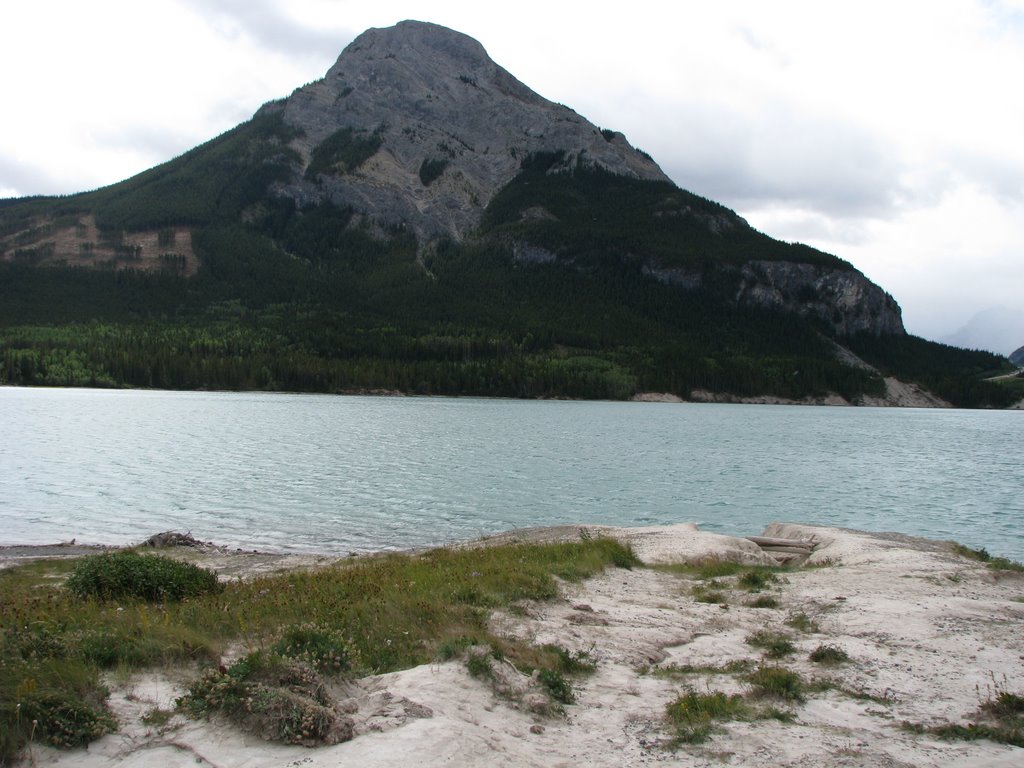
(889,133)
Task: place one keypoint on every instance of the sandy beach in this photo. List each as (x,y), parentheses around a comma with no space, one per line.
(931,636)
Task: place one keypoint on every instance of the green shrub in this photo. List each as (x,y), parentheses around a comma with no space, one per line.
(702,594)
(829,654)
(147,577)
(802,623)
(479,665)
(777,681)
(774,645)
(571,662)
(276,698)
(1005,706)
(319,646)
(982,555)
(557,687)
(454,647)
(693,714)
(764,601)
(62,719)
(755,581)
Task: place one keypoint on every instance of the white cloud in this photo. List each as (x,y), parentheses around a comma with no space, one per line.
(888,133)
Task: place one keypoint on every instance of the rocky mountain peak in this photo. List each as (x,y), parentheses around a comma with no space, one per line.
(426,128)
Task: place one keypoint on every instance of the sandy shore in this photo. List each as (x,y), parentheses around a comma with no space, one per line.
(931,635)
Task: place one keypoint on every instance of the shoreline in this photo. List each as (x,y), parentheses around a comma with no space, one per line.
(899,394)
(930,634)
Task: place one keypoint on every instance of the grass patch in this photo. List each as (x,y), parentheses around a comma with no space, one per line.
(707,593)
(557,686)
(1000,719)
(571,662)
(982,555)
(756,580)
(708,570)
(680,670)
(479,665)
(693,715)
(970,732)
(454,647)
(829,654)
(318,645)
(801,622)
(778,682)
(774,644)
(1005,706)
(365,616)
(157,717)
(716,569)
(764,601)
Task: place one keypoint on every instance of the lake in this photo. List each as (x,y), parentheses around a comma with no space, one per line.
(339,474)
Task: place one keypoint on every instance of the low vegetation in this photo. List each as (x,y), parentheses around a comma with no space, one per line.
(693,715)
(365,616)
(1000,718)
(982,556)
(829,654)
(146,577)
(801,622)
(778,682)
(774,644)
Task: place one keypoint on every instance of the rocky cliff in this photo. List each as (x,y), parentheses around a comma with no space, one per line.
(448,128)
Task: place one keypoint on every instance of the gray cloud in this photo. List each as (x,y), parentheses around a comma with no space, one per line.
(1000,176)
(28,179)
(783,159)
(267,24)
(158,142)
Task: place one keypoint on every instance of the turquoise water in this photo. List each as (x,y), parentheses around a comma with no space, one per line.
(352,474)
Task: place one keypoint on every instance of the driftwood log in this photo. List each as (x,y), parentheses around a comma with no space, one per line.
(766,541)
(785,551)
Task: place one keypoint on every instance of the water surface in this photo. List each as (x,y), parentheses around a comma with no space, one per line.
(340,474)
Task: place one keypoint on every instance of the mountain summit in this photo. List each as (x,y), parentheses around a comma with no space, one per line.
(450,128)
(420,220)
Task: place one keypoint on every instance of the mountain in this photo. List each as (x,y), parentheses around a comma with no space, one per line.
(1017,357)
(420,220)
(997,329)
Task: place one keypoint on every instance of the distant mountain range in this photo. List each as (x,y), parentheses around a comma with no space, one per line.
(419,220)
(996,329)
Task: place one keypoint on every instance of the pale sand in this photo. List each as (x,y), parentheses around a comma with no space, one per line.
(930,634)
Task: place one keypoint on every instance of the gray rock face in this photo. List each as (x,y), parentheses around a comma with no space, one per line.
(432,94)
(843,298)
